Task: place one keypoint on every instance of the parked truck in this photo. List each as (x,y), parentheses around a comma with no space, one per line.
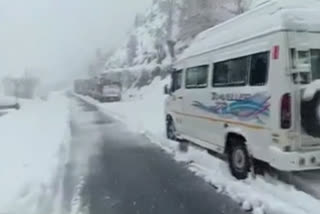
(109,87)
(82,86)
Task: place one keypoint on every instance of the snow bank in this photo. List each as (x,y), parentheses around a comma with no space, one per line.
(32,141)
(142,111)
(260,195)
(7,101)
(135,110)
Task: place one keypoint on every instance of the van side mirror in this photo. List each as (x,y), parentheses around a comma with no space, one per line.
(166,90)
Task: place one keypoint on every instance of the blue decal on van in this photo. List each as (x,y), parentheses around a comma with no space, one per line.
(246,108)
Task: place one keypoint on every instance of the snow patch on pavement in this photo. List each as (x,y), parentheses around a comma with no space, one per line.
(144,113)
(34,141)
(76,207)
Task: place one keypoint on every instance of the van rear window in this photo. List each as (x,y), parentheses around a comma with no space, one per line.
(306,77)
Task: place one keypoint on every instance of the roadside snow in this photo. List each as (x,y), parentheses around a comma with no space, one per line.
(135,110)
(7,101)
(142,111)
(32,142)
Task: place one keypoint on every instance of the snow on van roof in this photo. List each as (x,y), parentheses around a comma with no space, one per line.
(265,18)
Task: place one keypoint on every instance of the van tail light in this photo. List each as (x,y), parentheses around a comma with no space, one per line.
(275,52)
(286,111)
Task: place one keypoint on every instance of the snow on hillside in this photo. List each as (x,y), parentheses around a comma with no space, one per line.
(162,34)
(146,44)
(143,112)
(33,144)
(150,33)
(145,54)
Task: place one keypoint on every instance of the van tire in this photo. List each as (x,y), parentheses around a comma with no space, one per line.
(239,159)
(171,129)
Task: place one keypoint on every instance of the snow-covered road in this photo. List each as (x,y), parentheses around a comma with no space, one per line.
(116,163)
(128,174)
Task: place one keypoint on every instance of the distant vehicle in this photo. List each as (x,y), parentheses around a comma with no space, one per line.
(96,93)
(8,103)
(82,86)
(111,92)
(77,86)
(109,87)
(250,89)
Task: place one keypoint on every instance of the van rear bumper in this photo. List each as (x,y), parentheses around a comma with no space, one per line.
(294,161)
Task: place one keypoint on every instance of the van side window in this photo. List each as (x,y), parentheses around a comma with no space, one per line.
(259,69)
(220,74)
(176,80)
(315,64)
(238,71)
(231,72)
(197,77)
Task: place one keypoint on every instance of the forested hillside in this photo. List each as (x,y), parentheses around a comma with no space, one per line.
(166,29)
(171,23)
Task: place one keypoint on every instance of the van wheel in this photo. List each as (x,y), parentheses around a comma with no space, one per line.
(171,130)
(239,159)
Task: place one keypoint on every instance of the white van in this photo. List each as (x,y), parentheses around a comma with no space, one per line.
(250,88)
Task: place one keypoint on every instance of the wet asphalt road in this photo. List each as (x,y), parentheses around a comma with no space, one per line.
(126,174)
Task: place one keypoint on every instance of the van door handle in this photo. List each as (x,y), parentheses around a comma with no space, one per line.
(180,98)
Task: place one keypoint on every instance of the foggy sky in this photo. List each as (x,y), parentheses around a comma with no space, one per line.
(57,38)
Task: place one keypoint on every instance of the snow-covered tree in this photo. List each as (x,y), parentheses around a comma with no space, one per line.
(132,49)
(139,20)
(168,27)
(160,51)
(197,16)
(236,7)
